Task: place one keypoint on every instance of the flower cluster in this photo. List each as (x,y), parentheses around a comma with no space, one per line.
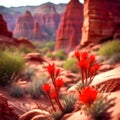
(53,94)
(87,65)
(88,95)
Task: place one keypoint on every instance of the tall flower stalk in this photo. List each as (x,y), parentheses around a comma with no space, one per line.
(87,65)
(57,83)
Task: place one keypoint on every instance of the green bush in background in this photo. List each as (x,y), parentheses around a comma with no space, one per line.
(60,54)
(71,65)
(10,66)
(43,48)
(110,48)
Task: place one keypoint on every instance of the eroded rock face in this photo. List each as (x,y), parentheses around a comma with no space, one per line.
(48,19)
(36,31)
(3,28)
(7,112)
(101,21)
(25,27)
(69,32)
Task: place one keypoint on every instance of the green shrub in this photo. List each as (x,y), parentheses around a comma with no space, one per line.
(60,54)
(110,48)
(24,49)
(10,66)
(35,87)
(43,48)
(16,90)
(71,65)
(50,55)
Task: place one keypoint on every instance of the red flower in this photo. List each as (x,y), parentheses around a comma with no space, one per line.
(94,68)
(84,55)
(91,59)
(83,64)
(51,69)
(57,72)
(59,83)
(46,87)
(77,55)
(88,95)
(54,95)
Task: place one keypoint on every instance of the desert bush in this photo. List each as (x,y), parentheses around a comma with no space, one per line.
(35,86)
(28,73)
(16,90)
(43,48)
(110,48)
(50,55)
(10,66)
(71,65)
(114,59)
(60,54)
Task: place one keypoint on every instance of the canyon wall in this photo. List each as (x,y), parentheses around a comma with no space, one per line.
(101,21)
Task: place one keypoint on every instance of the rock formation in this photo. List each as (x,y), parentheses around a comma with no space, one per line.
(36,31)
(25,26)
(3,28)
(7,112)
(69,32)
(48,19)
(101,21)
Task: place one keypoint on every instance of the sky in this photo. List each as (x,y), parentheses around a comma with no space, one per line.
(16,3)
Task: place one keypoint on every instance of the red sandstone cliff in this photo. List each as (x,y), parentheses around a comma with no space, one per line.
(48,19)
(69,32)
(25,27)
(101,21)
(36,31)
(3,28)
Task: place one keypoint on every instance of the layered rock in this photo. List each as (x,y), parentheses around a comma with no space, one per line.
(69,32)
(48,19)
(7,112)
(25,27)
(3,28)
(101,21)
(36,31)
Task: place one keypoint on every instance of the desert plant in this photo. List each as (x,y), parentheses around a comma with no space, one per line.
(53,94)
(95,104)
(10,66)
(114,59)
(16,90)
(35,86)
(69,101)
(110,48)
(88,68)
(71,65)
(29,73)
(60,54)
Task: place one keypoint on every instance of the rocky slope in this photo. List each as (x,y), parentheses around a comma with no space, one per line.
(69,32)
(101,21)
(3,28)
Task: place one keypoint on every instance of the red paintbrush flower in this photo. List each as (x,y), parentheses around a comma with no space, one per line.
(51,69)
(54,95)
(57,72)
(83,64)
(46,87)
(77,55)
(88,95)
(59,83)
(84,55)
(91,59)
